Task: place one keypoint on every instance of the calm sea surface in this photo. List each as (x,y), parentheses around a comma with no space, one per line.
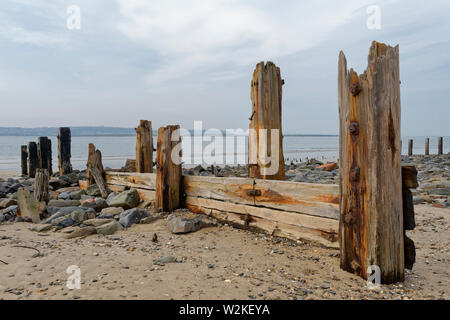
(116,149)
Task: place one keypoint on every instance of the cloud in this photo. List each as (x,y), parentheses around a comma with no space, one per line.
(193,34)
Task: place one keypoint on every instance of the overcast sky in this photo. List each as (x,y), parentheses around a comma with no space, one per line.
(176,61)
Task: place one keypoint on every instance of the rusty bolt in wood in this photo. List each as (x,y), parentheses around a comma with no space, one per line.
(355,89)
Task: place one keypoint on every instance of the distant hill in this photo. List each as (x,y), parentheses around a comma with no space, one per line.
(76,131)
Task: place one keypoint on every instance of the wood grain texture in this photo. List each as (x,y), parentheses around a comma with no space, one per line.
(144,147)
(99,181)
(64,151)
(145,181)
(266,96)
(371,217)
(41,192)
(95,161)
(168,169)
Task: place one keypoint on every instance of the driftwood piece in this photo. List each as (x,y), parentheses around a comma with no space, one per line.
(168,169)
(94,161)
(64,151)
(144,147)
(24,159)
(371,211)
(41,185)
(265,142)
(100,181)
(33,162)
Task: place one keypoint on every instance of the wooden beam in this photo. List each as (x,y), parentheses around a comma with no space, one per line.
(168,169)
(64,151)
(265,143)
(33,161)
(144,147)
(24,159)
(371,211)
(44,152)
(146,181)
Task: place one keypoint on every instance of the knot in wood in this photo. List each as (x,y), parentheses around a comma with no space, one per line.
(348,218)
(354,128)
(354,174)
(355,89)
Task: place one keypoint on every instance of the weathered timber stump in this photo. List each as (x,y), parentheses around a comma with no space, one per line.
(410,147)
(371,209)
(41,185)
(44,151)
(265,142)
(409,181)
(144,147)
(100,181)
(441,145)
(33,161)
(94,161)
(64,151)
(24,159)
(168,169)
(427,146)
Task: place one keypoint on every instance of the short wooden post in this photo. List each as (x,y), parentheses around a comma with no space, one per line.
(41,185)
(64,151)
(441,145)
(144,147)
(44,151)
(265,142)
(168,169)
(409,181)
(410,147)
(371,212)
(33,161)
(94,160)
(427,146)
(24,159)
(100,181)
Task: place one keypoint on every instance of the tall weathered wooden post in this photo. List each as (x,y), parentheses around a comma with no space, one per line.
(64,151)
(168,169)
(427,146)
(265,142)
(24,159)
(94,161)
(144,147)
(410,147)
(371,213)
(441,145)
(33,161)
(44,151)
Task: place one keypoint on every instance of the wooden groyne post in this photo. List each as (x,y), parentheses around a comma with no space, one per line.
(41,185)
(44,152)
(265,142)
(168,169)
(409,181)
(94,161)
(144,147)
(33,162)
(440,146)
(410,147)
(371,211)
(64,151)
(427,146)
(24,159)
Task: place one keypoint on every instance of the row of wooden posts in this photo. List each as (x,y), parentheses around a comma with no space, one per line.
(372,193)
(427,146)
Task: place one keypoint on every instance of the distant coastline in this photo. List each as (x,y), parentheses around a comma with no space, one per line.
(102,131)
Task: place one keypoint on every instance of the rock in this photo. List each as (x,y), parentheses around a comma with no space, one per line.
(110,196)
(70,178)
(63,203)
(93,190)
(58,184)
(328,166)
(179,224)
(81,232)
(66,211)
(5,203)
(132,216)
(97,204)
(128,199)
(440,191)
(165,260)
(112,211)
(80,215)
(64,196)
(29,208)
(64,221)
(41,227)
(97,222)
(105,216)
(76,195)
(109,228)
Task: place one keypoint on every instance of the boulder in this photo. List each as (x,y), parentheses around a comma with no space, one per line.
(29,208)
(178,224)
(93,190)
(64,196)
(5,203)
(58,184)
(112,211)
(109,228)
(97,222)
(76,195)
(63,203)
(41,227)
(132,216)
(67,211)
(81,232)
(97,204)
(80,215)
(128,199)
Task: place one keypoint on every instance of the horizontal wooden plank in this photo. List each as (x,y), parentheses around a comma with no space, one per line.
(275,222)
(233,190)
(321,200)
(133,180)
